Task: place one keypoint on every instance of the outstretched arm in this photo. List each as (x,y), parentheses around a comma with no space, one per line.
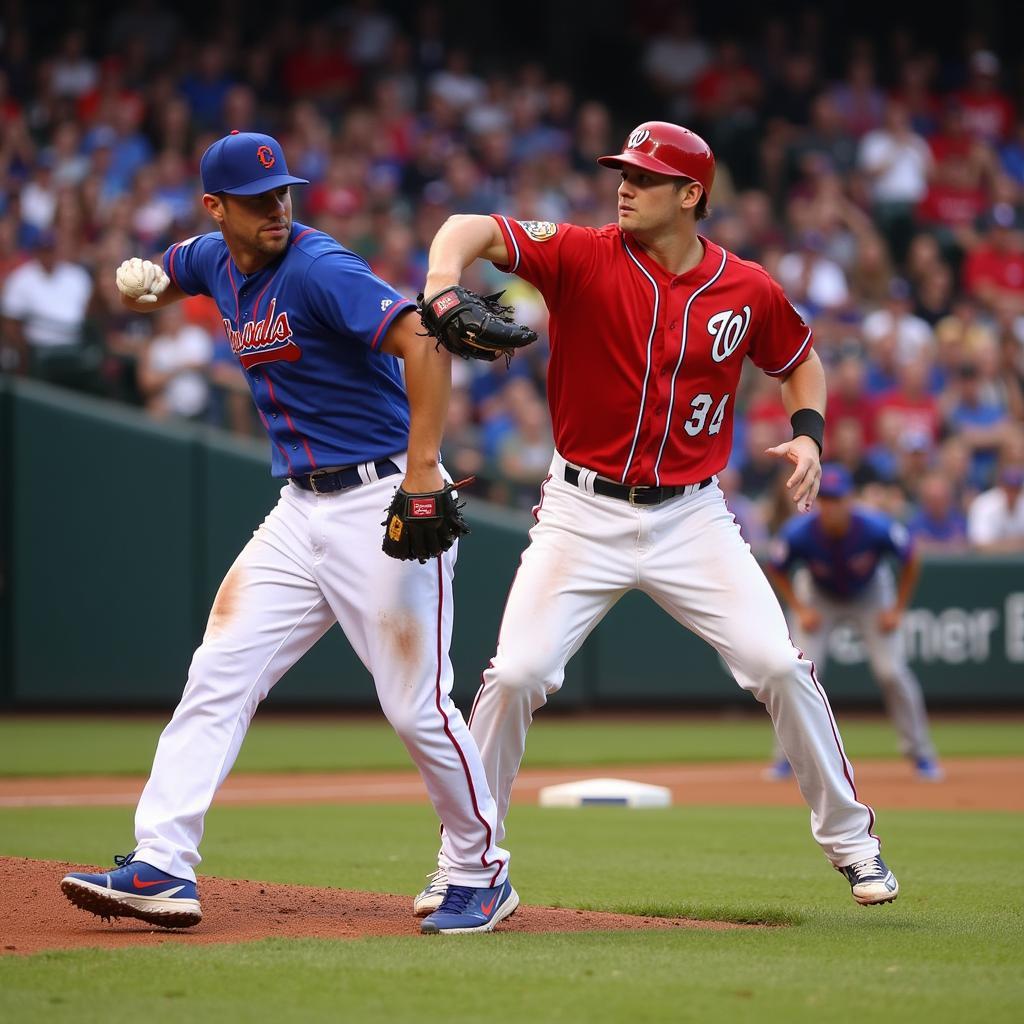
(462,239)
(804,388)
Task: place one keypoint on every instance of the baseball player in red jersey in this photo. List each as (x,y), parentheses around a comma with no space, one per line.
(649,326)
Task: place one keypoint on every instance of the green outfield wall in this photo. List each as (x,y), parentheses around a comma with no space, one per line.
(115,532)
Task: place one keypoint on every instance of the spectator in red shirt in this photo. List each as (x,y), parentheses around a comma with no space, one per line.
(764,404)
(10,108)
(953,203)
(110,91)
(727,85)
(848,400)
(319,69)
(952,141)
(994,269)
(987,109)
(342,191)
(911,404)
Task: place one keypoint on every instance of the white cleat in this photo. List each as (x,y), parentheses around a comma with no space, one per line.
(871,882)
(433,895)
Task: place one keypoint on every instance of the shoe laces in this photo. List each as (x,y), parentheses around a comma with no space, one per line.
(457,899)
(866,868)
(438,879)
(120,860)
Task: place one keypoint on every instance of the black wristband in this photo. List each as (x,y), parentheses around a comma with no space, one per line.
(810,423)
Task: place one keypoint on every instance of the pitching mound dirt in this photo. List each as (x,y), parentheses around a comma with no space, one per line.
(34,915)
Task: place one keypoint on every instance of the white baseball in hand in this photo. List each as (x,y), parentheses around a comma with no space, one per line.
(141,280)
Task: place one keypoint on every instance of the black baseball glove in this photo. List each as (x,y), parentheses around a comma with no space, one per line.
(473,326)
(423,526)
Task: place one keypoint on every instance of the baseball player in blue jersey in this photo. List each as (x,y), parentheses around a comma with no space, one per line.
(320,339)
(844,552)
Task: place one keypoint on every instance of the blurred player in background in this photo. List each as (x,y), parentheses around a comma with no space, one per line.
(843,552)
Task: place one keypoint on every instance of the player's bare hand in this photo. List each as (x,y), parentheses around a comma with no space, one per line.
(141,280)
(804,454)
(889,620)
(810,619)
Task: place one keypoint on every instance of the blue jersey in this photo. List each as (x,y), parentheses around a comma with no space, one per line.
(307,329)
(841,566)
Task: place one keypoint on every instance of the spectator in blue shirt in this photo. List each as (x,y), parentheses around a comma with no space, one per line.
(980,420)
(937,525)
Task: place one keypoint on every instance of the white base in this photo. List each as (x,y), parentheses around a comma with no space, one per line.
(605,792)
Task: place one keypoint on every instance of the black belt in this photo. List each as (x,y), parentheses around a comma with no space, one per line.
(634,495)
(325,481)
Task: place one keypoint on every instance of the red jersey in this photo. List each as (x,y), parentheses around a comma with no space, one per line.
(919,415)
(645,364)
(988,115)
(987,265)
(947,204)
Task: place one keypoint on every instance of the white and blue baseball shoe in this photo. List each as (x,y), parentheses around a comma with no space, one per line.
(135,889)
(871,882)
(467,910)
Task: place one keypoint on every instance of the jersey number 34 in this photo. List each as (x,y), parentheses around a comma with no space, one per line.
(701,405)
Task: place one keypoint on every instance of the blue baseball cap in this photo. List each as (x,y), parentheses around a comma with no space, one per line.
(836,481)
(245,164)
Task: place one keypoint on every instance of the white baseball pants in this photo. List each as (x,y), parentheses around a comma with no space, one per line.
(314,561)
(900,688)
(585,552)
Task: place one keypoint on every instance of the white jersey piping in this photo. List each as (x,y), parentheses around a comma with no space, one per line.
(682,351)
(647,372)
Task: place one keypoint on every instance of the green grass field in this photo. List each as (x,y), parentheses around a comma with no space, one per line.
(950,949)
(118,746)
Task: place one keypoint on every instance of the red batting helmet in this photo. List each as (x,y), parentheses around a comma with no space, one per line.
(666,149)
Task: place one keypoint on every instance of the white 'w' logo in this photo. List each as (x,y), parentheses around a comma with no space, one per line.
(728,329)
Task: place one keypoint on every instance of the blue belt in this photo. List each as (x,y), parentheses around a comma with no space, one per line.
(326,481)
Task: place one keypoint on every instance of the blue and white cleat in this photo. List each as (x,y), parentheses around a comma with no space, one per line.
(871,882)
(466,910)
(136,889)
(928,770)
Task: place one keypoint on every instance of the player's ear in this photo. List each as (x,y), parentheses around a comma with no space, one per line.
(214,206)
(689,195)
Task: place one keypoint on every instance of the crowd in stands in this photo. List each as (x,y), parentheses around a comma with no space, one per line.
(886,194)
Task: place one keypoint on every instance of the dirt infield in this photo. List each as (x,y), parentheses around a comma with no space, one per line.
(975,784)
(35,916)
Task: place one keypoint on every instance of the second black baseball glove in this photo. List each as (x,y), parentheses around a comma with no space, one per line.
(473,326)
(423,526)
